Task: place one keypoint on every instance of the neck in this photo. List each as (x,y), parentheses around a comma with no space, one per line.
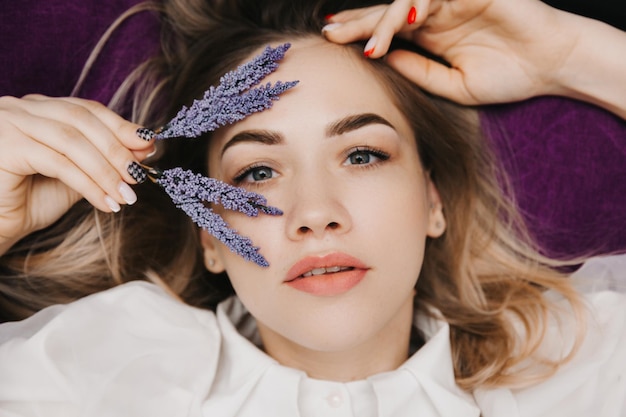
(384,352)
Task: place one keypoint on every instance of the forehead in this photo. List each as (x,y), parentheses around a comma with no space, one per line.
(334,82)
(327,69)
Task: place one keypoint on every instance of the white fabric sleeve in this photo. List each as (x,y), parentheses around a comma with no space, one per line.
(114,353)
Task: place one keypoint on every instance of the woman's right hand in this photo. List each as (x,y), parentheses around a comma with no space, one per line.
(55,151)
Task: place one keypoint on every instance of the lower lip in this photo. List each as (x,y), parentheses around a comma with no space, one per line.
(329,284)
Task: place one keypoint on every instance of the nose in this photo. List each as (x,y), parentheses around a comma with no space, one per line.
(316,209)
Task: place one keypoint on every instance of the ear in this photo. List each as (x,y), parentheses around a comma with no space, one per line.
(212,259)
(436,220)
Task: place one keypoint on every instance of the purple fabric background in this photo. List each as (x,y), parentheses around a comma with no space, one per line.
(45,43)
(566,159)
(567,162)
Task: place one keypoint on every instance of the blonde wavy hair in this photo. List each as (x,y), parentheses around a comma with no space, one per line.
(484,276)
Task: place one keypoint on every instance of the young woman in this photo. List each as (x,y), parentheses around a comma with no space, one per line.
(399,278)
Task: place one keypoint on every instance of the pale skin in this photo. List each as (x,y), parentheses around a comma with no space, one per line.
(498,50)
(56,151)
(337,197)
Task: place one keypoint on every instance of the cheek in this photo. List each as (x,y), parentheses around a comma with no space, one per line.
(400,206)
(396,223)
(251,283)
(265,232)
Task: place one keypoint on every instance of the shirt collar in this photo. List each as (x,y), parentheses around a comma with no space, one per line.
(424,383)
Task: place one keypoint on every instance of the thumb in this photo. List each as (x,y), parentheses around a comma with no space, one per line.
(432,76)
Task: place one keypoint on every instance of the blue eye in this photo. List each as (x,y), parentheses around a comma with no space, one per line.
(365,156)
(254,174)
(261,173)
(359,158)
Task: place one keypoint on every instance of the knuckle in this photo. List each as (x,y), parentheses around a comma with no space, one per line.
(93,105)
(74,111)
(109,178)
(33,96)
(8,102)
(4,114)
(71,136)
(116,152)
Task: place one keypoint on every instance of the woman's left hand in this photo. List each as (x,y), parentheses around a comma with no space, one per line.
(498,50)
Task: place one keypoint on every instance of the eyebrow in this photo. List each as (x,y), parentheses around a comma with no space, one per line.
(344,125)
(265,137)
(354,122)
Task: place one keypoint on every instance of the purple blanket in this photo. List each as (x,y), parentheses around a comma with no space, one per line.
(566,159)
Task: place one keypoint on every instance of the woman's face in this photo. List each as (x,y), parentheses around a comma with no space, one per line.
(336,155)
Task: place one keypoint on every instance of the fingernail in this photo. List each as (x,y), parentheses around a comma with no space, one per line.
(330,27)
(137,172)
(145,133)
(115,208)
(370,46)
(412,16)
(127,193)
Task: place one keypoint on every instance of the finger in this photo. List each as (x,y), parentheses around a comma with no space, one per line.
(126,132)
(76,126)
(423,9)
(353,25)
(354,14)
(432,76)
(70,143)
(33,158)
(378,25)
(401,17)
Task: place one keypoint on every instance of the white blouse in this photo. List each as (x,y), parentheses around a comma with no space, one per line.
(135,351)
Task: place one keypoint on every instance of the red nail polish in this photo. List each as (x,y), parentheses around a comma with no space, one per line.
(369,52)
(329,16)
(412,16)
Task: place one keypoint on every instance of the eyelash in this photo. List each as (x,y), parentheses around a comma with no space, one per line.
(377,153)
(241,175)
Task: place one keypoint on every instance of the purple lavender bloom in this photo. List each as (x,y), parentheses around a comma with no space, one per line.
(233,99)
(190,191)
(252,72)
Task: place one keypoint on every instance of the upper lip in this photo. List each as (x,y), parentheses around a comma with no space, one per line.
(310,263)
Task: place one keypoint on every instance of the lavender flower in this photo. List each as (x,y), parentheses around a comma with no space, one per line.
(190,192)
(253,71)
(233,99)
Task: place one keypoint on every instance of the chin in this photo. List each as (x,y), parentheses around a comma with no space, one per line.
(338,338)
(333,328)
